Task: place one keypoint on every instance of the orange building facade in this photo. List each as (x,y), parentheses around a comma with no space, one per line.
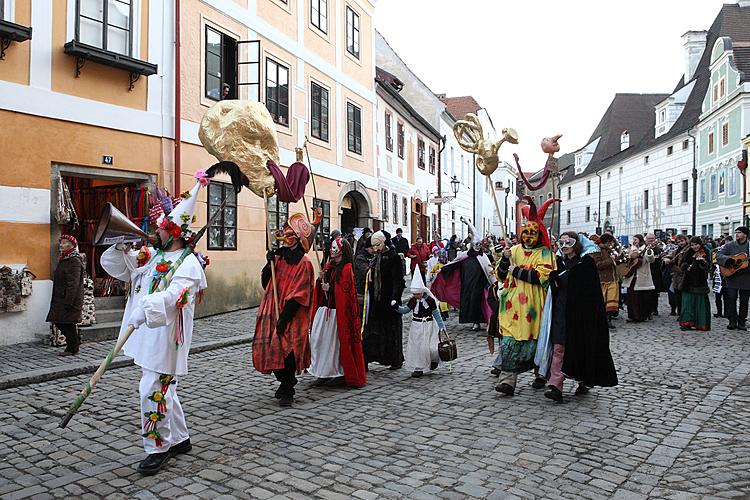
(87,104)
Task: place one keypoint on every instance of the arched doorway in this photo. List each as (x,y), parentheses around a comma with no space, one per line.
(354,207)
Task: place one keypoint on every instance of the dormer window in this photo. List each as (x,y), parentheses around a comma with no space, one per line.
(662,116)
(624,140)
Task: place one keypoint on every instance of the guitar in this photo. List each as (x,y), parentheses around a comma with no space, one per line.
(741,261)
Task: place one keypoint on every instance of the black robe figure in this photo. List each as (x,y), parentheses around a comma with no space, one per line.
(587,356)
(382,340)
(473,285)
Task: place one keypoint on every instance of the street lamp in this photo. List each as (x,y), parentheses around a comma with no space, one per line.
(507,192)
(455,184)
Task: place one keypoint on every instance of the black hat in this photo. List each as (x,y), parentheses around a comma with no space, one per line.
(743,229)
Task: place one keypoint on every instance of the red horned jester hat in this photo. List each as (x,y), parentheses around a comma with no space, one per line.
(535,218)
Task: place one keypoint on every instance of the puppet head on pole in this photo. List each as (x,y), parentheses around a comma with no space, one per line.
(299,230)
(533,232)
(485,149)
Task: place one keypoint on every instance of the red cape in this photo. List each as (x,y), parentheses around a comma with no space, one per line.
(348,323)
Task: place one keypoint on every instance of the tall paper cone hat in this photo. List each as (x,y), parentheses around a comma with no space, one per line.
(417,283)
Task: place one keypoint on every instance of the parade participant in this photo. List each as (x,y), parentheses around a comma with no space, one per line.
(640,286)
(280,345)
(401,245)
(610,287)
(431,262)
(674,261)
(366,233)
(657,247)
(579,322)
(463,284)
(525,269)
(419,253)
(422,346)
(66,304)
(383,331)
(738,284)
(695,311)
(164,284)
(335,337)
(453,248)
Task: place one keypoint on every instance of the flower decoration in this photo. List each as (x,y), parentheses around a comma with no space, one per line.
(166,379)
(163,267)
(182,300)
(203,260)
(185,218)
(154,434)
(154,416)
(144,255)
(202,178)
(156,397)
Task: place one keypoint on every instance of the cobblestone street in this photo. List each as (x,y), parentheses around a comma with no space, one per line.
(675,427)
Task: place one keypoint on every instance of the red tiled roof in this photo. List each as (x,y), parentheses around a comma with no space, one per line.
(460,106)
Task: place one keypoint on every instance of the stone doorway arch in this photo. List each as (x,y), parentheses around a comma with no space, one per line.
(355,207)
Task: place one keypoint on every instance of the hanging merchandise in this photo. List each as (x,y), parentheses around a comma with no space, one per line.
(11,299)
(26,281)
(66,212)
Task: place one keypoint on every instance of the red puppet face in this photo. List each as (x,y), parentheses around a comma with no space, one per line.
(287,237)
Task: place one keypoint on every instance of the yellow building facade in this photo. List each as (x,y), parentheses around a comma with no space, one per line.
(88,106)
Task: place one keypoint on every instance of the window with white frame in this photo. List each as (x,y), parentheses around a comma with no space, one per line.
(395,208)
(725,134)
(354,128)
(352,32)
(732,182)
(319,14)
(669,195)
(703,190)
(588,214)
(431,160)
(710,142)
(645,199)
(722,182)
(685,184)
(105,24)
(420,153)
(568,217)
(384,208)
(319,111)
(277,91)
(388,132)
(404,211)
(608,209)
(712,188)
(588,188)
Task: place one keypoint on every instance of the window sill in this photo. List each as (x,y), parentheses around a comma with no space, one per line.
(84,52)
(355,59)
(320,142)
(322,34)
(12,32)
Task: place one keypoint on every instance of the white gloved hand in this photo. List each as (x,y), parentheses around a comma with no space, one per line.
(137,318)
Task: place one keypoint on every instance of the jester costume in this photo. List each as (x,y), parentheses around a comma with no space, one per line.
(281,345)
(522,299)
(161,305)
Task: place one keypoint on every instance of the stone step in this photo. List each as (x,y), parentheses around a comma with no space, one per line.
(100,331)
(116,302)
(108,315)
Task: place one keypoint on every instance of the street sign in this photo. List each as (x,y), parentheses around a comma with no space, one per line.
(108,160)
(437,200)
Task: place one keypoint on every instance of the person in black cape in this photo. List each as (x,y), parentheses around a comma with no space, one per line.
(579,330)
(382,340)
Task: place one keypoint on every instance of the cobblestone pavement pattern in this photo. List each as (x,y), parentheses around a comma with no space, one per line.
(676,427)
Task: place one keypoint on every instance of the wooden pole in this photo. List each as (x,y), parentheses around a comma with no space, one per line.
(95,378)
(273,264)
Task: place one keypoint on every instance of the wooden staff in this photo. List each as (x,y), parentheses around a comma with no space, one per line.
(95,378)
(272,262)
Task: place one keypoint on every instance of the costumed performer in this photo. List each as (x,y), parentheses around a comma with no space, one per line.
(336,337)
(281,345)
(579,331)
(422,347)
(463,284)
(383,330)
(525,269)
(164,284)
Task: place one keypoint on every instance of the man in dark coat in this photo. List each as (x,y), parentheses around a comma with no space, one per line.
(67,294)
(382,340)
(401,245)
(659,286)
(737,285)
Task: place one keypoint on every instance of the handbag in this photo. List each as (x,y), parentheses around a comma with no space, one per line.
(446,347)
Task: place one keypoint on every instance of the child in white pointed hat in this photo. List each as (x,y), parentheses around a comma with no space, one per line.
(422,347)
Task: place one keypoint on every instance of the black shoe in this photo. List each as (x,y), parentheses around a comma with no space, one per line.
(433,365)
(495,372)
(732,326)
(673,313)
(582,389)
(686,328)
(506,389)
(416,374)
(742,326)
(286,401)
(277,394)
(395,367)
(538,383)
(475,328)
(154,463)
(180,448)
(717,315)
(554,394)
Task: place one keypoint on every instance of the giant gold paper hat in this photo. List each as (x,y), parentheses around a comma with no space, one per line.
(243,132)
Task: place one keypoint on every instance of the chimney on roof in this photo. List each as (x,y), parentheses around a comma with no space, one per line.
(695,44)
(624,140)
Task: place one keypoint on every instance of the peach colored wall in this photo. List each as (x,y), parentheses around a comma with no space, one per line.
(97,82)
(360,69)
(282,17)
(323,44)
(32,143)
(15,67)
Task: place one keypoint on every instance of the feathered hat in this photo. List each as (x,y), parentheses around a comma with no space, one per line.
(532,214)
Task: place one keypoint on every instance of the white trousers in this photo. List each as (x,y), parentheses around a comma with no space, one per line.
(162,419)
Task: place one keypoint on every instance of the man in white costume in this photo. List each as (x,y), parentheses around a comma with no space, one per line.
(164,284)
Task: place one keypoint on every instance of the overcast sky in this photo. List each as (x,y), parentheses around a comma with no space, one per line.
(544,66)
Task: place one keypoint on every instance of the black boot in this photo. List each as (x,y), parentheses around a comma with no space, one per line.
(741,326)
(154,463)
(554,394)
(506,389)
(180,448)
(416,374)
(538,383)
(732,325)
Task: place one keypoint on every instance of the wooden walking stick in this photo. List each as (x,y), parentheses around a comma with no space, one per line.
(273,264)
(95,378)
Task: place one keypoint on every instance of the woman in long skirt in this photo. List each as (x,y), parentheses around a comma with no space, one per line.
(640,285)
(695,311)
